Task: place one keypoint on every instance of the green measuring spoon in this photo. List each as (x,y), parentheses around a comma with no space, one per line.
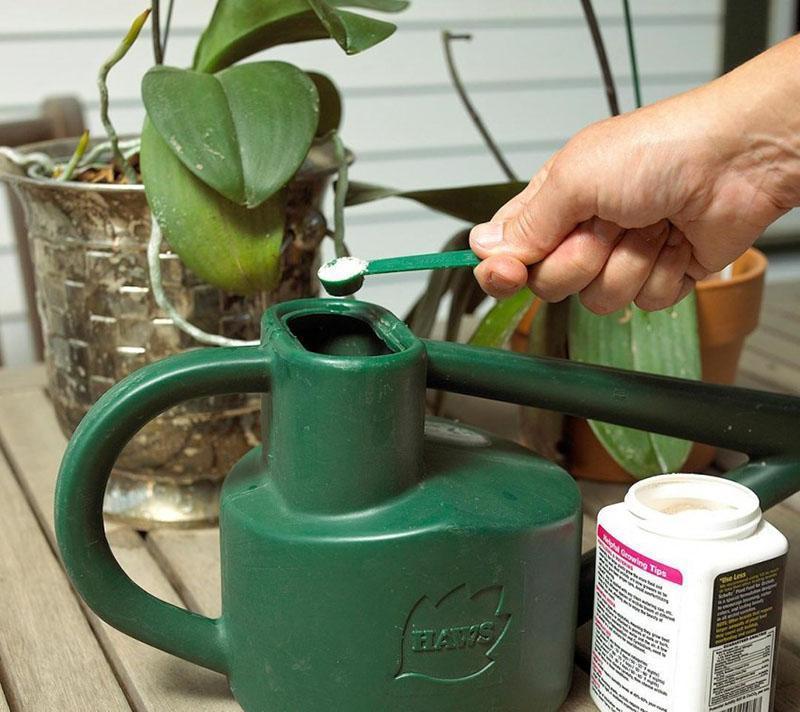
(345,275)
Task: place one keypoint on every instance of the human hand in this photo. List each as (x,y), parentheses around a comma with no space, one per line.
(639,207)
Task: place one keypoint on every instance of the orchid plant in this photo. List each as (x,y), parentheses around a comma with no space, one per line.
(223,138)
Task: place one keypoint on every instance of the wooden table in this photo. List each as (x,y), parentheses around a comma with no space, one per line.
(56,655)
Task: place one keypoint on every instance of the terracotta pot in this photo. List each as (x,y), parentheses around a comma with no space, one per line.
(728,311)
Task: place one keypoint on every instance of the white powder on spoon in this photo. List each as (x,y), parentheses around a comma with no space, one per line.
(342,269)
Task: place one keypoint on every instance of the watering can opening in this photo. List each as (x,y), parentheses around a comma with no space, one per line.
(343,421)
(338,335)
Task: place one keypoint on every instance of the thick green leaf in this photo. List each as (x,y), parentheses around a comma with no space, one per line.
(239,28)
(353,33)
(225,244)
(606,340)
(243,131)
(330,103)
(668,342)
(543,430)
(664,343)
(502,319)
(473,203)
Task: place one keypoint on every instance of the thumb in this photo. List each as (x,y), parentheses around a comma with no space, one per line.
(539,221)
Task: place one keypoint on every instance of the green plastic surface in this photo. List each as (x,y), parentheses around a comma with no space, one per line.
(406,263)
(432,260)
(373,560)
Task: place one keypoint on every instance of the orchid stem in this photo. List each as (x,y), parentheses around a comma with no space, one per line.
(447,38)
(602,57)
(340,194)
(167,26)
(155,28)
(637,90)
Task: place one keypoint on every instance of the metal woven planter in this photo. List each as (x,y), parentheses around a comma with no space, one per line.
(101,322)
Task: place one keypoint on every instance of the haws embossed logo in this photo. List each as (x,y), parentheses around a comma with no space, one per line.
(431,640)
(454,637)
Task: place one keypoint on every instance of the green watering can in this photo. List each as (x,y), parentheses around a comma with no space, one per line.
(376,560)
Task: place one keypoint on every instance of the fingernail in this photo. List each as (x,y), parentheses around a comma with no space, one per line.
(487,235)
(499,282)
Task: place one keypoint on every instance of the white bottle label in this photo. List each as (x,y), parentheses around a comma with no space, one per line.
(635,630)
(745,620)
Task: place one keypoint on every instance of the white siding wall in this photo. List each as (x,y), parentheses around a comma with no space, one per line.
(530,69)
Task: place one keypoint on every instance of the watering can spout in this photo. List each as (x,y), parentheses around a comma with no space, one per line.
(343,426)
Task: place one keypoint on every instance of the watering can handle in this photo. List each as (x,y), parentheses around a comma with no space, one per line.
(760,423)
(87,464)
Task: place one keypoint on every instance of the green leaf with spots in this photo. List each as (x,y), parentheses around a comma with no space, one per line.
(240,28)
(244,131)
(353,33)
(668,342)
(330,104)
(230,246)
(665,343)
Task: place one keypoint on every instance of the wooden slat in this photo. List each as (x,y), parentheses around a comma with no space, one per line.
(787,521)
(22,378)
(759,368)
(191,560)
(34,444)
(783,296)
(787,693)
(749,379)
(783,321)
(50,657)
(157,681)
(776,346)
(783,315)
(154,680)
